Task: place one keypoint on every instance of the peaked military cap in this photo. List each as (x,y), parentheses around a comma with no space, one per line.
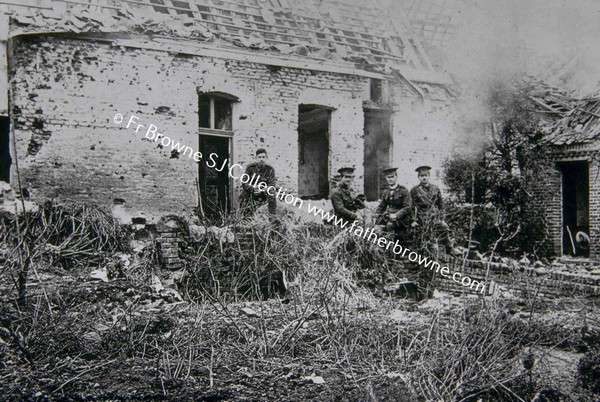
(423,168)
(390,170)
(347,171)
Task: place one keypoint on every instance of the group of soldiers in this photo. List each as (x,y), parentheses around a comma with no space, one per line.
(400,213)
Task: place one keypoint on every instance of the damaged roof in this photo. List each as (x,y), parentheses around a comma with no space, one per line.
(433,20)
(569,117)
(579,126)
(548,100)
(373,35)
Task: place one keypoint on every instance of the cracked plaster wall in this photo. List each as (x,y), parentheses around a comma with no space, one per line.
(65,91)
(425,132)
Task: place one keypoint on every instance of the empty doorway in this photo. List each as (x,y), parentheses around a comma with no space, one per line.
(215,110)
(378,149)
(575,208)
(5,160)
(313,151)
(214,181)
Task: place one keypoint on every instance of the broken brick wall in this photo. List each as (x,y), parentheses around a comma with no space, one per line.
(548,196)
(65,92)
(571,281)
(595,206)
(534,282)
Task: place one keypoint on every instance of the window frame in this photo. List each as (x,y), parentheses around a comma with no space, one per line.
(212,96)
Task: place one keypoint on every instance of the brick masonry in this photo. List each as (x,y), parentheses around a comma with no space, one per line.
(549,195)
(595,205)
(520,281)
(546,282)
(66,89)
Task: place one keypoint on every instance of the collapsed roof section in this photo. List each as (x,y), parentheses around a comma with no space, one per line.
(568,118)
(550,101)
(432,20)
(368,35)
(579,126)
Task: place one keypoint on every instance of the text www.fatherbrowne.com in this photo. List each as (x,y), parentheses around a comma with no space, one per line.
(151,133)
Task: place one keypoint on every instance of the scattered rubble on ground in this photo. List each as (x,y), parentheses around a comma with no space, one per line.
(126,304)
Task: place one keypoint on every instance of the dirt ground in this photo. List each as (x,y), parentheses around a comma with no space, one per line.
(96,340)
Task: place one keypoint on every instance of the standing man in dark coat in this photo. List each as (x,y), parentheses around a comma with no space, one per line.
(394,210)
(251,197)
(429,207)
(344,200)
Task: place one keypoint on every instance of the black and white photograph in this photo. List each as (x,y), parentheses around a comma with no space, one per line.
(310,200)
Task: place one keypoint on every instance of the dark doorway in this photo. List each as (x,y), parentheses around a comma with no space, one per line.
(5,160)
(378,148)
(575,209)
(313,152)
(214,179)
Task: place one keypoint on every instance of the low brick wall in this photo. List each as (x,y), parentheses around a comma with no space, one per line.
(169,238)
(518,280)
(522,281)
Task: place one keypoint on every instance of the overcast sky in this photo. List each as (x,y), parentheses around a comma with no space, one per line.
(508,37)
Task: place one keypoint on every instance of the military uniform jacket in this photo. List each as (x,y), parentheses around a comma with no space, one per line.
(265,173)
(396,201)
(426,199)
(345,203)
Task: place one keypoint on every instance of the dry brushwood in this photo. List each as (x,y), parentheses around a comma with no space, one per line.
(463,354)
(64,235)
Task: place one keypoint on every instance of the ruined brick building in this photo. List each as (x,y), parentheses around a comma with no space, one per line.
(572,202)
(320,84)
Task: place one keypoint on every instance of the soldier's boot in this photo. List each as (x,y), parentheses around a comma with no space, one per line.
(443,231)
(389,231)
(451,248)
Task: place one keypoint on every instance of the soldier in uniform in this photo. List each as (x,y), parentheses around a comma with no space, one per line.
(428,208)
(394,210)
(345,202)
(251,197)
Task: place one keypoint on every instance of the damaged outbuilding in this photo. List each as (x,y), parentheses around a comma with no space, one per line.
(573,191)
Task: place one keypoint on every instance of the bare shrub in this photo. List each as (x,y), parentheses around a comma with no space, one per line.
(467,352)
(588,370)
